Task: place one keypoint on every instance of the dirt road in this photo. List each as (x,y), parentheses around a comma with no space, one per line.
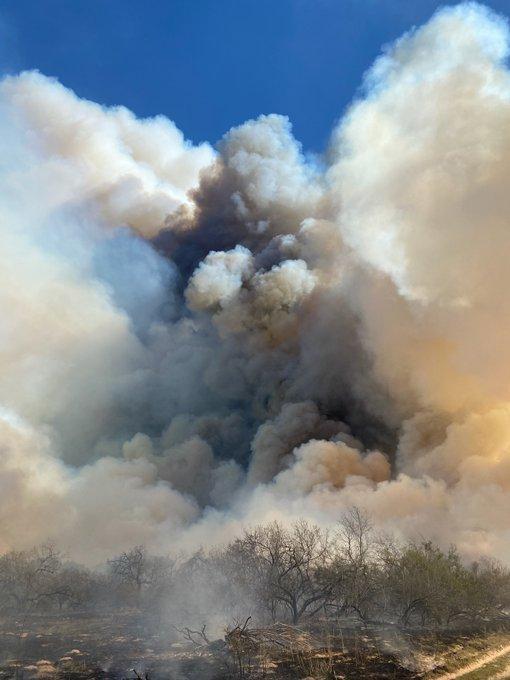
(494,665)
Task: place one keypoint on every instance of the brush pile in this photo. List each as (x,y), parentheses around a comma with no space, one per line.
(279,637)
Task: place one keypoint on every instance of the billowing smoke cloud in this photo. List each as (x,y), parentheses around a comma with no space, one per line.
(193,340)
(135,172)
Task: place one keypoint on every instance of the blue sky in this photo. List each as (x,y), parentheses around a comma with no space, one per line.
(210,64)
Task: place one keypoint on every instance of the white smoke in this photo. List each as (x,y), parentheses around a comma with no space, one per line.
(195,340)
(135,172)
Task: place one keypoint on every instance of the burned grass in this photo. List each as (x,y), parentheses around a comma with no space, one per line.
(83,646)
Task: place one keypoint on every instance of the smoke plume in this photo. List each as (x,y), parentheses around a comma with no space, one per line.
(195,340)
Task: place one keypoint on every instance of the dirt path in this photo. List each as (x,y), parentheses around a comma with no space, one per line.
(484,662)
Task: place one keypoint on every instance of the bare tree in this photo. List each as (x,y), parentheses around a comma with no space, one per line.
(131,567)
(141,572)
(29,578)
(353,572)
(280,567)
(76,587)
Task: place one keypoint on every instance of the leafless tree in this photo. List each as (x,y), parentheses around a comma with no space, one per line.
(353,571)
(140,572)
(77,587)
(280,566)
(29,578)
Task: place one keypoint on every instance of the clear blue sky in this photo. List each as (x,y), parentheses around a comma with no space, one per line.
(210,64)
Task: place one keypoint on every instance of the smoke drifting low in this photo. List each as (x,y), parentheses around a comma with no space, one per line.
(195,340)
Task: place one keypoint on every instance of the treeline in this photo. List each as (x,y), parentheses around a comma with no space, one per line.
(272,573)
